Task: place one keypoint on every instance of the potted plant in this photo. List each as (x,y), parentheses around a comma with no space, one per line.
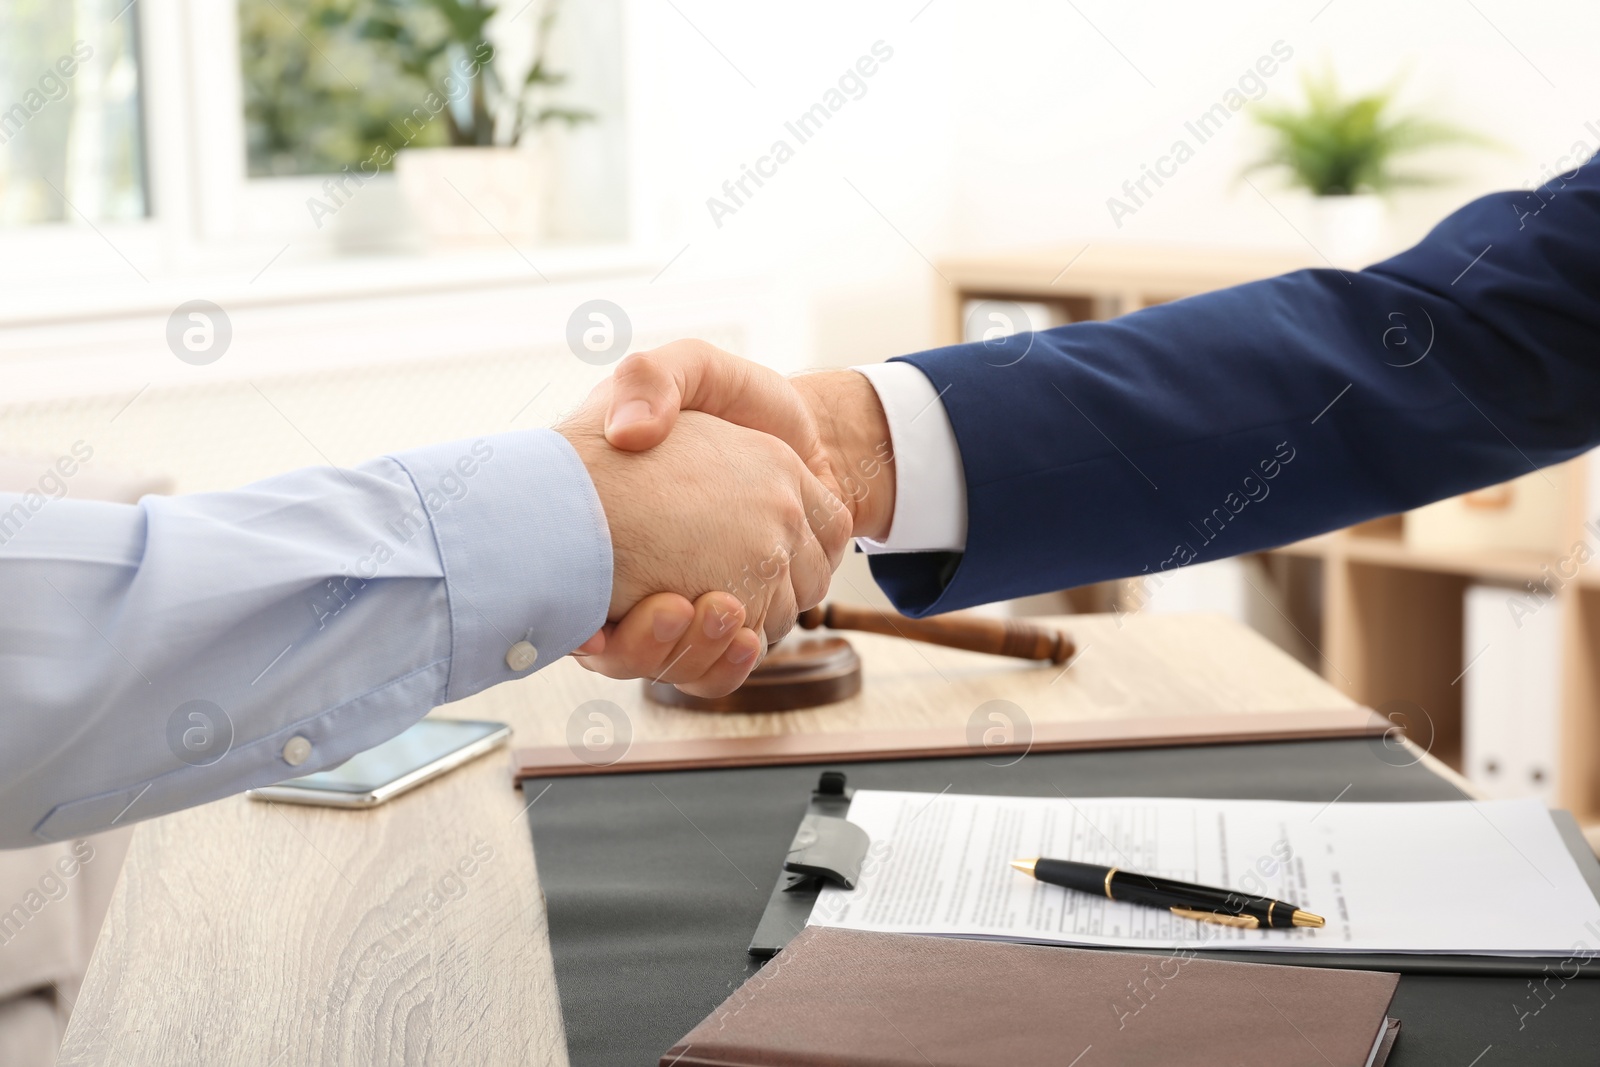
(1345,152)
(490,180)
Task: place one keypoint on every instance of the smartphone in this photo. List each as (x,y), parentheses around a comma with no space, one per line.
(422,752)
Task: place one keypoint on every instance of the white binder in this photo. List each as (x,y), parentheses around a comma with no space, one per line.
(1511,694)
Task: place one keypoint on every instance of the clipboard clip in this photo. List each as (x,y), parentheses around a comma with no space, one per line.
(826,849)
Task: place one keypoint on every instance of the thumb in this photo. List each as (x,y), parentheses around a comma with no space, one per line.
(645,401)
(650,388)
(595,644)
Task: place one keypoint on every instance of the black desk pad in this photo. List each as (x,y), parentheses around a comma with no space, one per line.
(655,881)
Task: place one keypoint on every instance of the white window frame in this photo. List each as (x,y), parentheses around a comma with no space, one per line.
(191,102)
(193,53)
(204,209)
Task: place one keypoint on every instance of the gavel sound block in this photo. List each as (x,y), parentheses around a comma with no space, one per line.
(809,671)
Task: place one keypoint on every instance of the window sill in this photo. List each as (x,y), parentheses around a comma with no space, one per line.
(233,282)
(359,315)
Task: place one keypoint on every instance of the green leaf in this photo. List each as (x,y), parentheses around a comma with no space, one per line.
(1333,145)
(302,113)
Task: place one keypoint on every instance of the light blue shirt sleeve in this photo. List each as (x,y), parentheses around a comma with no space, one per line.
(165,654)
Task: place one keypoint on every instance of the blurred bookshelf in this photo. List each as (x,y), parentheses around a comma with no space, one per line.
(1380,613)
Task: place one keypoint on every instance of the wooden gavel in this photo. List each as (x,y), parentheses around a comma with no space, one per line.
(999,637)
(810,672)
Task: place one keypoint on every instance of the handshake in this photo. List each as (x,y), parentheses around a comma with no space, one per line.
(731,493)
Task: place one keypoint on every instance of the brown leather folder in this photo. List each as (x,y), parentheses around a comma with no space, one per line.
(840,998)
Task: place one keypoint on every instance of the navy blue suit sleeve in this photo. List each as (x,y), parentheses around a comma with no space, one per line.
(1255,416)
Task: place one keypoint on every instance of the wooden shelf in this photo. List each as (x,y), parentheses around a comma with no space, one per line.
(1171,271)
(1099,281)
(1493,565)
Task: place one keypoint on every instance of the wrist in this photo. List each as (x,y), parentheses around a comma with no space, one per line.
(588,441)
(860,450)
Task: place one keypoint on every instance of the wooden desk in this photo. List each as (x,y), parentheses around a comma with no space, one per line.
(271,935)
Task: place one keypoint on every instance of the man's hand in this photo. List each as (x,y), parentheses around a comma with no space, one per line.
(832,420)
(703,648)
(715,509)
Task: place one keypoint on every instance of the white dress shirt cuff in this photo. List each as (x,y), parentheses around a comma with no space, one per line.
(930,494)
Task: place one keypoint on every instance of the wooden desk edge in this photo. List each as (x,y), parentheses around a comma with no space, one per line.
(869,745)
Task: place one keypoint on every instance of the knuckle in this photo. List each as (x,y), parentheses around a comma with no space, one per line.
(811,585)
(637,368)
(635,361)
(792,514)
(686,350)
(779,617)
(728,608)
(778,625)
(835,536)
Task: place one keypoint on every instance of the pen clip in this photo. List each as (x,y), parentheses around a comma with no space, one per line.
(1244,922)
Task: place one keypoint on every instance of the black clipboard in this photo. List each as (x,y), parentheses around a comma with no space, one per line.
(828,849)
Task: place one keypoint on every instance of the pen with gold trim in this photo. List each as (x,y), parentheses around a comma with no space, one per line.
(1184,899)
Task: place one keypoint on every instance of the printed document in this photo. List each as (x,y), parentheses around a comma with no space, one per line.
(1491,877)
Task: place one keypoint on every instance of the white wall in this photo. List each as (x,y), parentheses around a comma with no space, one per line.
(1084,121)
(861,291)
(994,124)
(1001,123)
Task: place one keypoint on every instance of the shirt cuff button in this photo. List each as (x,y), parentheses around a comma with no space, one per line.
(296,751)
(521,656)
